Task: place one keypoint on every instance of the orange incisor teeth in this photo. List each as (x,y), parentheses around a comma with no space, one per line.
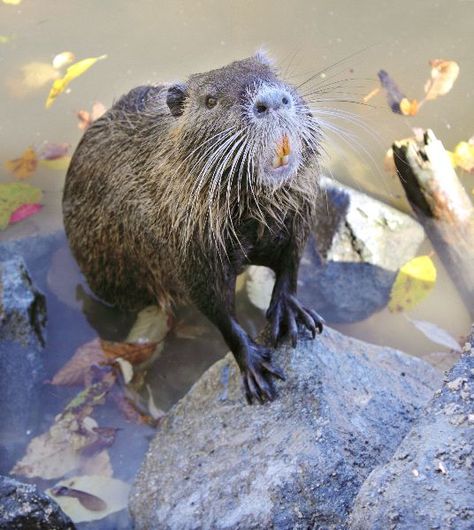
(282,152)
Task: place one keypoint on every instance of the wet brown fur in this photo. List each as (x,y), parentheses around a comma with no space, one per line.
(139,230)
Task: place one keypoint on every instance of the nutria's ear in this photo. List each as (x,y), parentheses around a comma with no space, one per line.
(175,98)
(264,57)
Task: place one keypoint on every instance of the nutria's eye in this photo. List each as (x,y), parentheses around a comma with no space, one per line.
(211,101)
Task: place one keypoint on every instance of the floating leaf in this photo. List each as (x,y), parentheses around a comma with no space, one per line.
(436,334)
(443,75)
(31,77)
(87,118)
(112,492)
(24,211)
(4,39)
(12,2)
(463,156)
(409,107)
(371,94)
(62,59)
(75,70)
(23,167)
(413,283)
(12,196)
(132,352)
(182,330)
(76,369)
(89,501)
(152,325)
(393,93)
(57,452)
(52,151)
(58,164)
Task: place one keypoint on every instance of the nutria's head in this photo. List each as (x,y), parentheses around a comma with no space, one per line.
(241,125)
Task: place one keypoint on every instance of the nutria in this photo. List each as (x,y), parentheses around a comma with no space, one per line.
(175,189)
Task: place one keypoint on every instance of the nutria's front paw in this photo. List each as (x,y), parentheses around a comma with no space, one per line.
(257,372)
(284,315)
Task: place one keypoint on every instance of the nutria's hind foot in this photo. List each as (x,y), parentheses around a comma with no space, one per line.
(257,372)
(285,313)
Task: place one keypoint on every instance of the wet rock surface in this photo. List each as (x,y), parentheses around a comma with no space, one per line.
(359,246)
(22,339)
(295,463)
(429,481)
(23,506)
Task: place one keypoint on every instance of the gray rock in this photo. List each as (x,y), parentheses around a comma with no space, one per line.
(295,463)
(362,243)
(429,481)
(23,506)
(22,338)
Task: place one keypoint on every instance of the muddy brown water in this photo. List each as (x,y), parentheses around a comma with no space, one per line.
(150,41)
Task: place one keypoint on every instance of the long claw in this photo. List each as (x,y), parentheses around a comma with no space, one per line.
(274,370)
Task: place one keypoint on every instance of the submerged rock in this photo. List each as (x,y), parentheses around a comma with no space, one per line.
(22,339)
(23,506)
(428,483)
(362,242)
(295,463)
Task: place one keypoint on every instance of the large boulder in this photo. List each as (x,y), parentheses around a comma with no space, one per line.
(22,339)
(295,463)
(23,506)
(360,243)
(429,481)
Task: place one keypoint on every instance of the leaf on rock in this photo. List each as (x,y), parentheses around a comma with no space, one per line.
(23,167)
(413,283)
(73,71)
(87,118)
(83,507)
(436,334)
(12,196)
(443,75)
(63,59)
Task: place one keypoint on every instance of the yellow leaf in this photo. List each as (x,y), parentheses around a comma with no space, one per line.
(464,156)
(24,166)
(12,2)
(413,283)
(75,70)
(409,107)
(59,164)
(4,39)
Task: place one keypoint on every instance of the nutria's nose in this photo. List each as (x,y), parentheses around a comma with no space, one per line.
(273,99)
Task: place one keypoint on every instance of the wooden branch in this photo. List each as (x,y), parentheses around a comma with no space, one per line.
(442,206)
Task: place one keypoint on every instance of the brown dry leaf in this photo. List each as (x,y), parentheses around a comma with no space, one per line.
(89,501)
(86,118)
(443,75)
(76,369)
(134,353)
(23,167)
(409,107)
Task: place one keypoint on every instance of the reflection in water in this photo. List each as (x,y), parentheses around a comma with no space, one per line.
(166,41)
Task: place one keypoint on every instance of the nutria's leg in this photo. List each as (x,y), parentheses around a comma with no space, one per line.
(285,311)
(216,300)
